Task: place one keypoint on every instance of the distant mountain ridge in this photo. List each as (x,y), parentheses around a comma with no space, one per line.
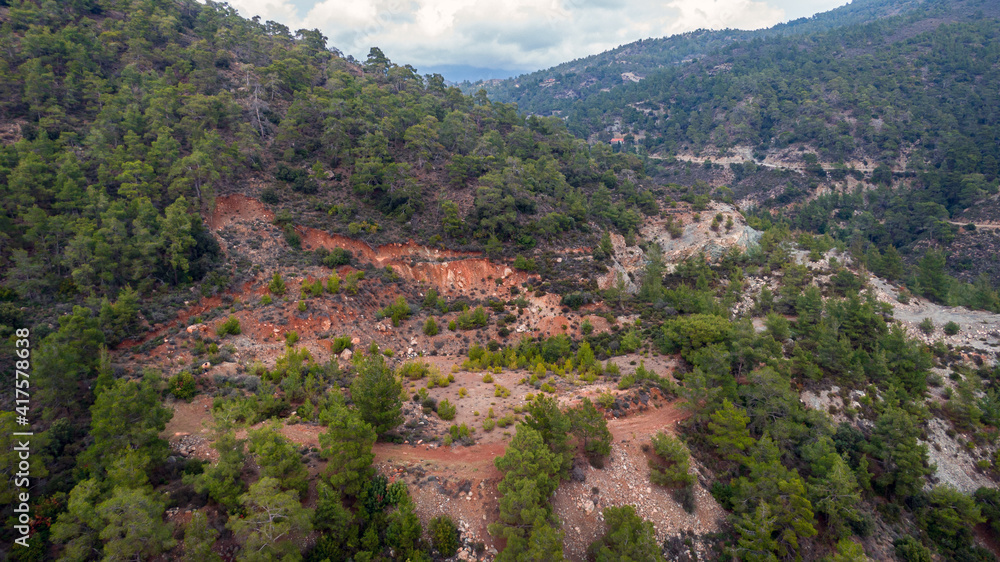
(555,89)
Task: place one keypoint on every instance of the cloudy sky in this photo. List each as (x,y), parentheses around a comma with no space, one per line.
(519,35)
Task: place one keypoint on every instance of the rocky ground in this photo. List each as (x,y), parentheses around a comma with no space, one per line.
(461,480)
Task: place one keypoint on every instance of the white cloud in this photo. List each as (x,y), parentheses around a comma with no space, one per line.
(514,34)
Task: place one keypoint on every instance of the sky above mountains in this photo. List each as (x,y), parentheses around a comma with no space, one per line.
(515,35)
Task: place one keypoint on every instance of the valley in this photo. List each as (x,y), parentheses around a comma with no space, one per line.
(724,295)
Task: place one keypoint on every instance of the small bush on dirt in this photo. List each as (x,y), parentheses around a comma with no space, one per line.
(397,311)
(446,410)
(952,328)
(337,257)
(182,386)
(312,288)
(430,327)
(524,264)
(269,195)
(685,497)
(277,285)
(489,424)
(265,300)
(586,327)
(487,378)
(414,370)
(501,391)
(230,326)
(926,326)
(340,344)
(673,463)
(628,537)
(444,535)
(461,433)
(333,284)
(606,400)
(291,337)
(302,306)
(292,238)
(351,282)
(452,326)
(472,319)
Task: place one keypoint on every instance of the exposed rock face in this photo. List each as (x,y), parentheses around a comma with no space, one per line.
(695,238)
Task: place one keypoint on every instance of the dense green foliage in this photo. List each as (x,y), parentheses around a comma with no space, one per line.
(130,117)
(628,538)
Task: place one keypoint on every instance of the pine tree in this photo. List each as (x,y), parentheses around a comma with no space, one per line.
(554,426)
(347,445)
(376,392)
(933,280)
(134,527)
(278,458)
(628,537)
(272,518)
(198,540)
(590,427)
(223,482)
(729,432)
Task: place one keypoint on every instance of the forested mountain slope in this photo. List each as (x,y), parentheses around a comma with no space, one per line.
(559,87)
(897,100)
(260,302)
(124,124)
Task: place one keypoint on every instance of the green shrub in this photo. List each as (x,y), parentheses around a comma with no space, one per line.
(489,424)
(472,319)
(397,311)
(341,343)
(414,370)
(182,386)
(952,328)
(524,264)
(672,467)
(230,327)
(277,285)
(461,433)
(292,238)
(501,391)
(337,257)
(265,300)
(302,306)
(926,326)
(291,337)
(452,326)
(333,284)
(444,535)
(446,410)
(586,327)
(351,282)
(686,333)
(312,288)
(430,327)
(909,549)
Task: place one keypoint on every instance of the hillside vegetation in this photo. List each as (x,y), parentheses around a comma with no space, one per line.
(272,304)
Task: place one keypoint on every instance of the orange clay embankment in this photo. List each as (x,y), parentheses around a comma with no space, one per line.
(465,273)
